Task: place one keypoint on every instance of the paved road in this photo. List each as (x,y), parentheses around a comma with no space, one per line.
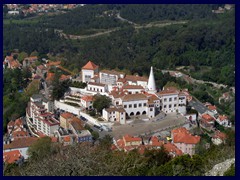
(139,127)
(198,106)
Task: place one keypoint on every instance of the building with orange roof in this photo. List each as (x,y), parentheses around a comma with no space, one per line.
(219,138)
(12,157)
(12,63)
(184,141)
(207,121)
(88,71)
(224,121)
(21,144)
(213,109)
(172,150)
(131,141)
(87,102)
(64,119)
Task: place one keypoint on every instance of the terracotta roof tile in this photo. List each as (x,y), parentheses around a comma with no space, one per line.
(21,143)
(11,156)
(171,148)
(212,107)
(135,78)
(129,138)
(132,97)
(67,115)
(90,66)
(220,135)
(132,87)
(87,98)
(182,135)
(222,117)
(207,117)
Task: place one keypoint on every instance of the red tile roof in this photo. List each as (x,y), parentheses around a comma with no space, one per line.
(66,139)
(18,122)
(54,139)
(87,98)
(90,66)
(11,156)
(50,76)
(171,148)
(21,143)
(11,123)
(19,134)
(120,143)
(132,97)
(222,117)
(53,63)
(129,138)
(135,78)
(132,87)
(155,142)
(96,84)
(207,117)
(220,135)
(182,135)
(212,107)
(67,115)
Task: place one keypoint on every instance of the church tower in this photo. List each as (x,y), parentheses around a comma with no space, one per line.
(151,82)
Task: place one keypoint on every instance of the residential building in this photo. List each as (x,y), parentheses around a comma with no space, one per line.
(82,135)
(12,63)
(184,141)
(21,144)
(38,116)
(207,121)
(13,157)
(219,138)
(172,149)
(64,119)
(114,115)
(87,102)
(224,121)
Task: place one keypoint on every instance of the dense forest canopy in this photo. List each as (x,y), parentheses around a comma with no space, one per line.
(206,43)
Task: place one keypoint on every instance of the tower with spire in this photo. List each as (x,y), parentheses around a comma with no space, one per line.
(151,82)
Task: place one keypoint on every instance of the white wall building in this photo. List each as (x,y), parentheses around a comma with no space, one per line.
(39,118)
(97,87)
(110,77)
(114,115)
(88,71)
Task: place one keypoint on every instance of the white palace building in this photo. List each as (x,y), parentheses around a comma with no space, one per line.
(131,95)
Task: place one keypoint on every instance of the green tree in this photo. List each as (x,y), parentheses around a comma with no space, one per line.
(100,102)
(40,149)
(22,56)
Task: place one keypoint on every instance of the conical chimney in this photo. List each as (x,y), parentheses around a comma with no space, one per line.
(151,82)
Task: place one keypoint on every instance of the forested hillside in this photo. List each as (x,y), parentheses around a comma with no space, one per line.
(205,44)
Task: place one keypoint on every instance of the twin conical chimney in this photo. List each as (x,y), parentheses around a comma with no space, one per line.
(151,82)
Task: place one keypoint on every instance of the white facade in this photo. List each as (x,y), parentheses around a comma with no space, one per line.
(169,103)
(97,87)
(115,115)
(87,74)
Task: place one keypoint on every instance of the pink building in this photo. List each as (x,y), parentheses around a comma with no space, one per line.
(184,141)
